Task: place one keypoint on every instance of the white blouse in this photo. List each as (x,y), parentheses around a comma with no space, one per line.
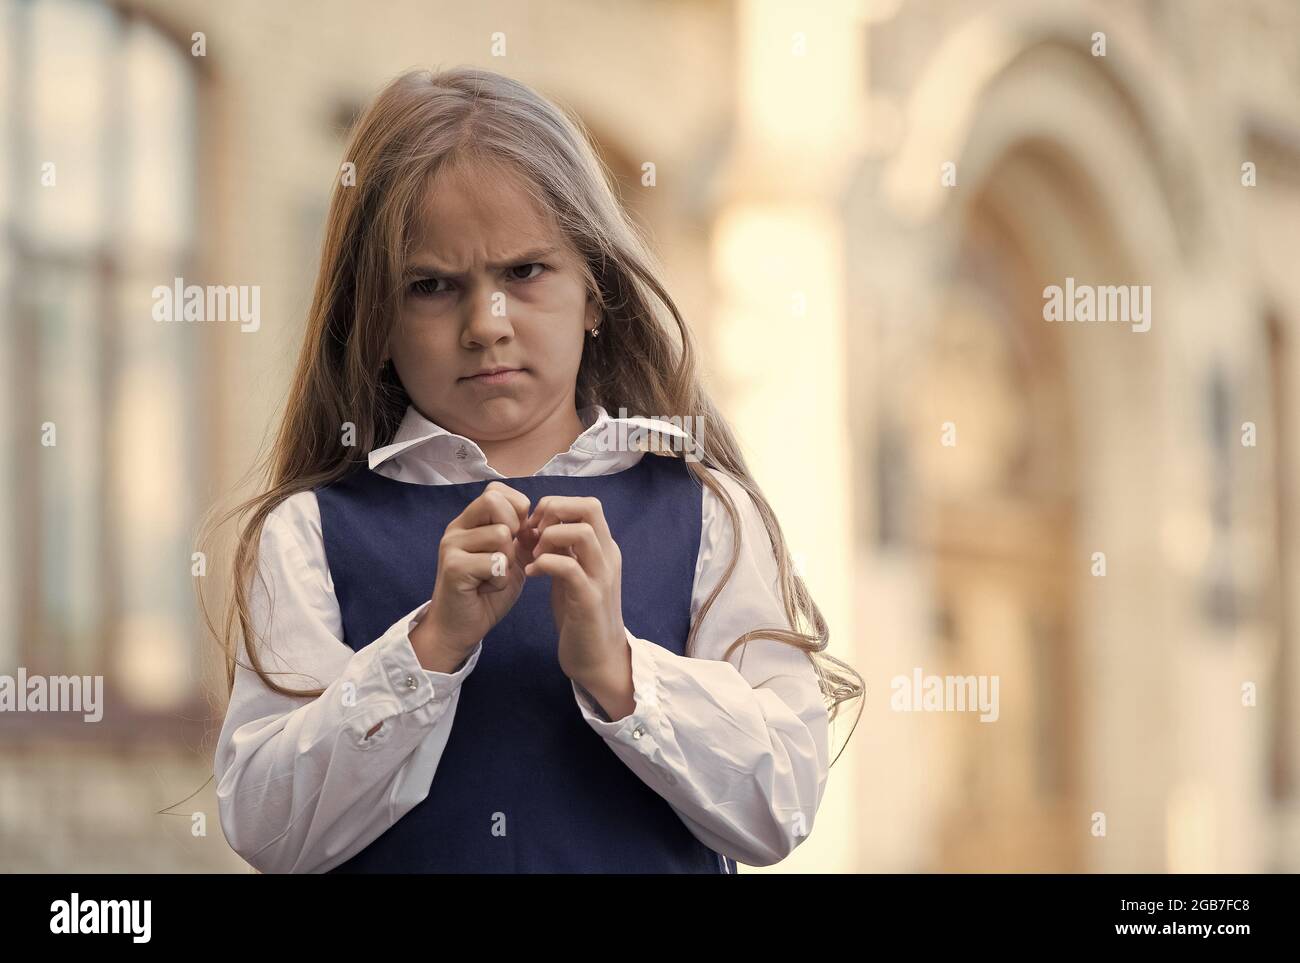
(738,748)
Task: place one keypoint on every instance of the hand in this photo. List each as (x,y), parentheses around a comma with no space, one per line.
(573,546)
(480,575)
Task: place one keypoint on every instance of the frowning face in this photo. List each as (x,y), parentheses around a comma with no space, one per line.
(491,286)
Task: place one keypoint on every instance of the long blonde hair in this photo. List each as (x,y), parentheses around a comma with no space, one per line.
(420,122)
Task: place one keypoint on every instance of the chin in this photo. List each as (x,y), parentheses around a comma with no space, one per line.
(502,415)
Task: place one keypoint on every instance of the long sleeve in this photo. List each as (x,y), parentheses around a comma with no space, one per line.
(739,748)
(304,784)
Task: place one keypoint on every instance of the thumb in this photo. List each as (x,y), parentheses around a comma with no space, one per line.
(525,541)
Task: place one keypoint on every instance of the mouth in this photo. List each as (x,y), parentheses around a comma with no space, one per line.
(495,376)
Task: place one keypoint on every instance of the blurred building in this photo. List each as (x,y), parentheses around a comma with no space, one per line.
(859,206)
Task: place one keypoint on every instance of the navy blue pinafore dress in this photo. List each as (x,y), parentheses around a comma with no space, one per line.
(520,757)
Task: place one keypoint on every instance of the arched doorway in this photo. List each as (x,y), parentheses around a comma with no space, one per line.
(1058,175)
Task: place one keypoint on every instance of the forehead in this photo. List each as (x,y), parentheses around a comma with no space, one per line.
(479,208)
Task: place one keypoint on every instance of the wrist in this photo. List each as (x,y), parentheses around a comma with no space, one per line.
(611,684)
(431,652)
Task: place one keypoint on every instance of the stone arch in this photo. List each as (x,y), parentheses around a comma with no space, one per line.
(1062,169)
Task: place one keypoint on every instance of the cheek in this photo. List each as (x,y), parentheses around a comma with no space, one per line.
(555,320)
(419,327)
(419,347)
(554,342)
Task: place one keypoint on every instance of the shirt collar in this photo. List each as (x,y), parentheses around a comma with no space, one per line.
(600,434)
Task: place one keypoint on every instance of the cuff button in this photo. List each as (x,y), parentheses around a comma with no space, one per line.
(638,732)
(411,683)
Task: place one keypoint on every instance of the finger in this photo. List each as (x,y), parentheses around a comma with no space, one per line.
(566,569)
(478,571)
(579,540)
(498,573)
(525,542)
(486,538)
(517,499)
(497,503)
(569,508)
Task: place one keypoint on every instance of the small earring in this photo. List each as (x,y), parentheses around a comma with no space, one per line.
(595,331)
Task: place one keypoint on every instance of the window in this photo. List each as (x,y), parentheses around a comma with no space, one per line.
(97,185)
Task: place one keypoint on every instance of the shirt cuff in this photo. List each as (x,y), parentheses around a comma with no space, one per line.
(638,726)
(412,683)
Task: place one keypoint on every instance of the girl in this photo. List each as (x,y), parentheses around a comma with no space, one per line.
(504,641)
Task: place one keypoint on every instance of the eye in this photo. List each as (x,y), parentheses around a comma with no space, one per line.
(531,277)
(425,287)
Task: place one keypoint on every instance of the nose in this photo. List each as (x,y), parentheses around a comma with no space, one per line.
(487,320)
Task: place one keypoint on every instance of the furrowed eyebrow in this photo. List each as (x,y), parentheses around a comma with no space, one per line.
(527,257)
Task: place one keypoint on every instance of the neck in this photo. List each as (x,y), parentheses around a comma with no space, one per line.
(525,454)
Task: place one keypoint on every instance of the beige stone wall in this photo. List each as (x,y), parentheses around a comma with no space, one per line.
(851,301)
